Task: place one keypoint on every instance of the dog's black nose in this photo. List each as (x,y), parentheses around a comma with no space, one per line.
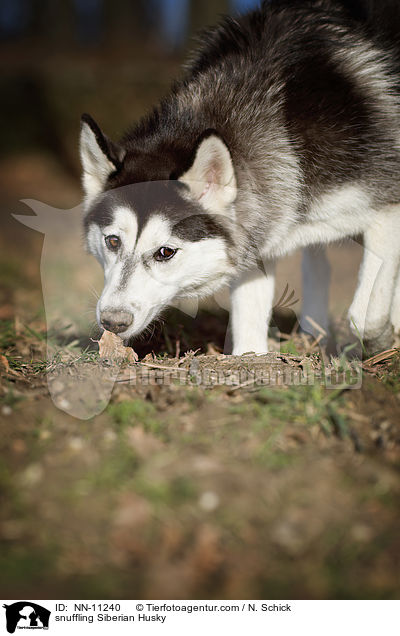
(116,321)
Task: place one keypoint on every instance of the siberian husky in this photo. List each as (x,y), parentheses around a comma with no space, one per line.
(284,133)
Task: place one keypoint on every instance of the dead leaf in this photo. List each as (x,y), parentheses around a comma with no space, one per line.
(111,347)
(4,363)
(6,367)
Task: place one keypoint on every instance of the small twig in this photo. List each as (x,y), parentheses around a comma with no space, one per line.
(306,344)
(380,357)
(158,366)
(316,325)
(285,336)
(316,341)
(295,328)
(189,355)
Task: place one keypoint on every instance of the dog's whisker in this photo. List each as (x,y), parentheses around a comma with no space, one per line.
(94,292)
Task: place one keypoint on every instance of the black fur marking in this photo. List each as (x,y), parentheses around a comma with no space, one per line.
(330,124)
(200,226)
(169,199)
(127,270)
(110,149)
(101,212)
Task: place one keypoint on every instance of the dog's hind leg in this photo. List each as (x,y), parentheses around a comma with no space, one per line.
(316,279)
(370,311)
(252,296)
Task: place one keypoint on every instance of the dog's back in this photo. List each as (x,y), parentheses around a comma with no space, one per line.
(304,93)
(381,17)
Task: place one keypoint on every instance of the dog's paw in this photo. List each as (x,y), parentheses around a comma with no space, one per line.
(375,335)
(255,348)
(374,343)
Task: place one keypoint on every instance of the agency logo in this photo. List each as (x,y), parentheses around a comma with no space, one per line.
(26,615)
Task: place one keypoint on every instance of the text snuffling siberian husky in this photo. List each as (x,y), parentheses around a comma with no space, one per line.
(283,134)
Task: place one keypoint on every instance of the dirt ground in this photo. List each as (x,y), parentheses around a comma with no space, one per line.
(204,475)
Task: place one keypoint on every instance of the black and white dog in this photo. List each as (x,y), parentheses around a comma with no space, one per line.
(283,134)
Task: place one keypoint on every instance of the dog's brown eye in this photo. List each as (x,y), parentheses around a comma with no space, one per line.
(164,253)
(113,242)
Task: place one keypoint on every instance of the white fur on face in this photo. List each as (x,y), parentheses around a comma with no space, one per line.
(124,225)
(136,282)
(94,242)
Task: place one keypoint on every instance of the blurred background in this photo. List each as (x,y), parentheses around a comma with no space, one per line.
(112,58)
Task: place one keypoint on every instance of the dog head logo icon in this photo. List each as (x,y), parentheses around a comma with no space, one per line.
(26,615)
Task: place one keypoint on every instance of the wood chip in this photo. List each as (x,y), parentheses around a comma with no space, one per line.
(112,348)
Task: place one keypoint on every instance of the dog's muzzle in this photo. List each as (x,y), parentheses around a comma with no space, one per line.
(116,321)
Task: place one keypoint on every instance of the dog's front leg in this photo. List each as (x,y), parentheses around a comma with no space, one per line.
(370,312)
(252,296)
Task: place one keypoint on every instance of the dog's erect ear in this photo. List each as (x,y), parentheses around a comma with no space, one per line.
(211,178)
(99,156)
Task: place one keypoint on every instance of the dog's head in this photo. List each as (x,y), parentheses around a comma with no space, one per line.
(157,240)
